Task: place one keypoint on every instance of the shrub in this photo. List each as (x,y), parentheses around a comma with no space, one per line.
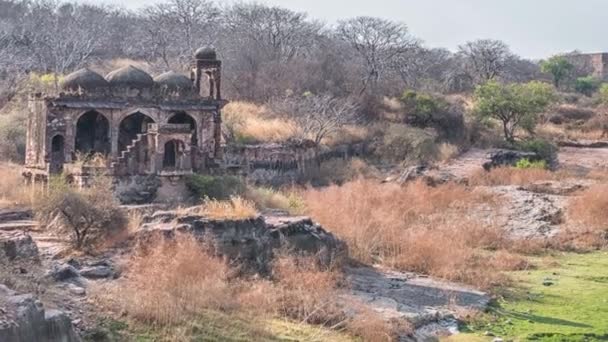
(13,190)
(544,149)
(215,187)
(89,215)
(587,85)
(403,143)
(525,163)
(603,93)
(426,110)
(574,113)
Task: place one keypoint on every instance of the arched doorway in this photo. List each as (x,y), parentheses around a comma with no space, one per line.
(130,127)
(57,154)
(174,150)
(93,134)
(185,119)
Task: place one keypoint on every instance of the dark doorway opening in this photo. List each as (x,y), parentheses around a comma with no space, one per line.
(93,134)
(174,149)
(130,127)
(57,154)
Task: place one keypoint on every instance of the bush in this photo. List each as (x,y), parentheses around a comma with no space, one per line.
(545,150)
(587,85)
(528,164)
(234,209)
(215,187)
(401,143)
(12,135)
(603,93)
(89,215)
(426,110)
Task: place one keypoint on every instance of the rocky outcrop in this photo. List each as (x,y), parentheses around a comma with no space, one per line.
(250,241)
(24,319)
(15,245)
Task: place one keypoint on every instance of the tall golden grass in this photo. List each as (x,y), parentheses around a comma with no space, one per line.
(168,283)
(13,190)
(236,208)
(513,176)
(588,218)
(413,227)
(252,123)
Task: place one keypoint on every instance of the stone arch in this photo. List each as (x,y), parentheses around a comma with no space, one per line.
(185,118)
(57,154)
(92,133)
(173,151)
(130,126)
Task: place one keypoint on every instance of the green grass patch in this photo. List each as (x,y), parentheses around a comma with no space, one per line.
(216,326)
(565,303)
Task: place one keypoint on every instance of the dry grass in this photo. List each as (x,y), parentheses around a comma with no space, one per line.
(513,176)
(587,215)
(446,152)
(269,198)
(13,190)
(349,134)
(171,282)
(236,208)
(414,228)
(250,123)
(165,286)
(564,132)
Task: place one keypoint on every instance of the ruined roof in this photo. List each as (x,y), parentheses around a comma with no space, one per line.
(131,77)
(206,53)
(173,81)
(83,79)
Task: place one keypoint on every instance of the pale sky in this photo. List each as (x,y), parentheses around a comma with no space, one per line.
(532,28)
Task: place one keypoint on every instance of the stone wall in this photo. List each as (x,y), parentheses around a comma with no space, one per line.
(277,164)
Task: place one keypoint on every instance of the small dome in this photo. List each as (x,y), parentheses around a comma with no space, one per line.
(83,79)
(206,53)
(130,77)
(173,81)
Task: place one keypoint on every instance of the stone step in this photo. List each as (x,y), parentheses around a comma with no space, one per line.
(18,225)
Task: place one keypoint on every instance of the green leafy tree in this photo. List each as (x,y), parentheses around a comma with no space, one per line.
(515,105)
(559,67)
(587,85)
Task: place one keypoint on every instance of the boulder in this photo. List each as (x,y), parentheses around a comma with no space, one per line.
(15,245)
(63,272)
(24,319)
(97,272)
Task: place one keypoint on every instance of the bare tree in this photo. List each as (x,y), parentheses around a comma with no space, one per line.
(318,115)
(378,43)
(485,58)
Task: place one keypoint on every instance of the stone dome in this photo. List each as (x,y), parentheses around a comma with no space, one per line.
(84,79)
(130,77)
(173,81)
(206,53)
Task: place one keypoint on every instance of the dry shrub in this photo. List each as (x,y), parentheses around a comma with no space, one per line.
(512,176)
(349,134)
(250,123)
(338,171)
(370,326)
(507,261)
(236,208)
(305,292)
(588,223)
(172,281)
(13,190)
(414,227)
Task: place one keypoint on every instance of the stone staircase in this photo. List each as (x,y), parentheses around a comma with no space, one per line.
(123,159)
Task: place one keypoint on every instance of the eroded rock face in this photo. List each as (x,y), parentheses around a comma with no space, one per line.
(251,241)
(24,319)
(15,245)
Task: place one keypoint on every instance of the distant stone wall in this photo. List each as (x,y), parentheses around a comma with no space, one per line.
(277,164)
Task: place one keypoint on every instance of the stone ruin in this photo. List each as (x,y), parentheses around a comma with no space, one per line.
(167,126)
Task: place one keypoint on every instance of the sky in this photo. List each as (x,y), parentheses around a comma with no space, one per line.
(533,28)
